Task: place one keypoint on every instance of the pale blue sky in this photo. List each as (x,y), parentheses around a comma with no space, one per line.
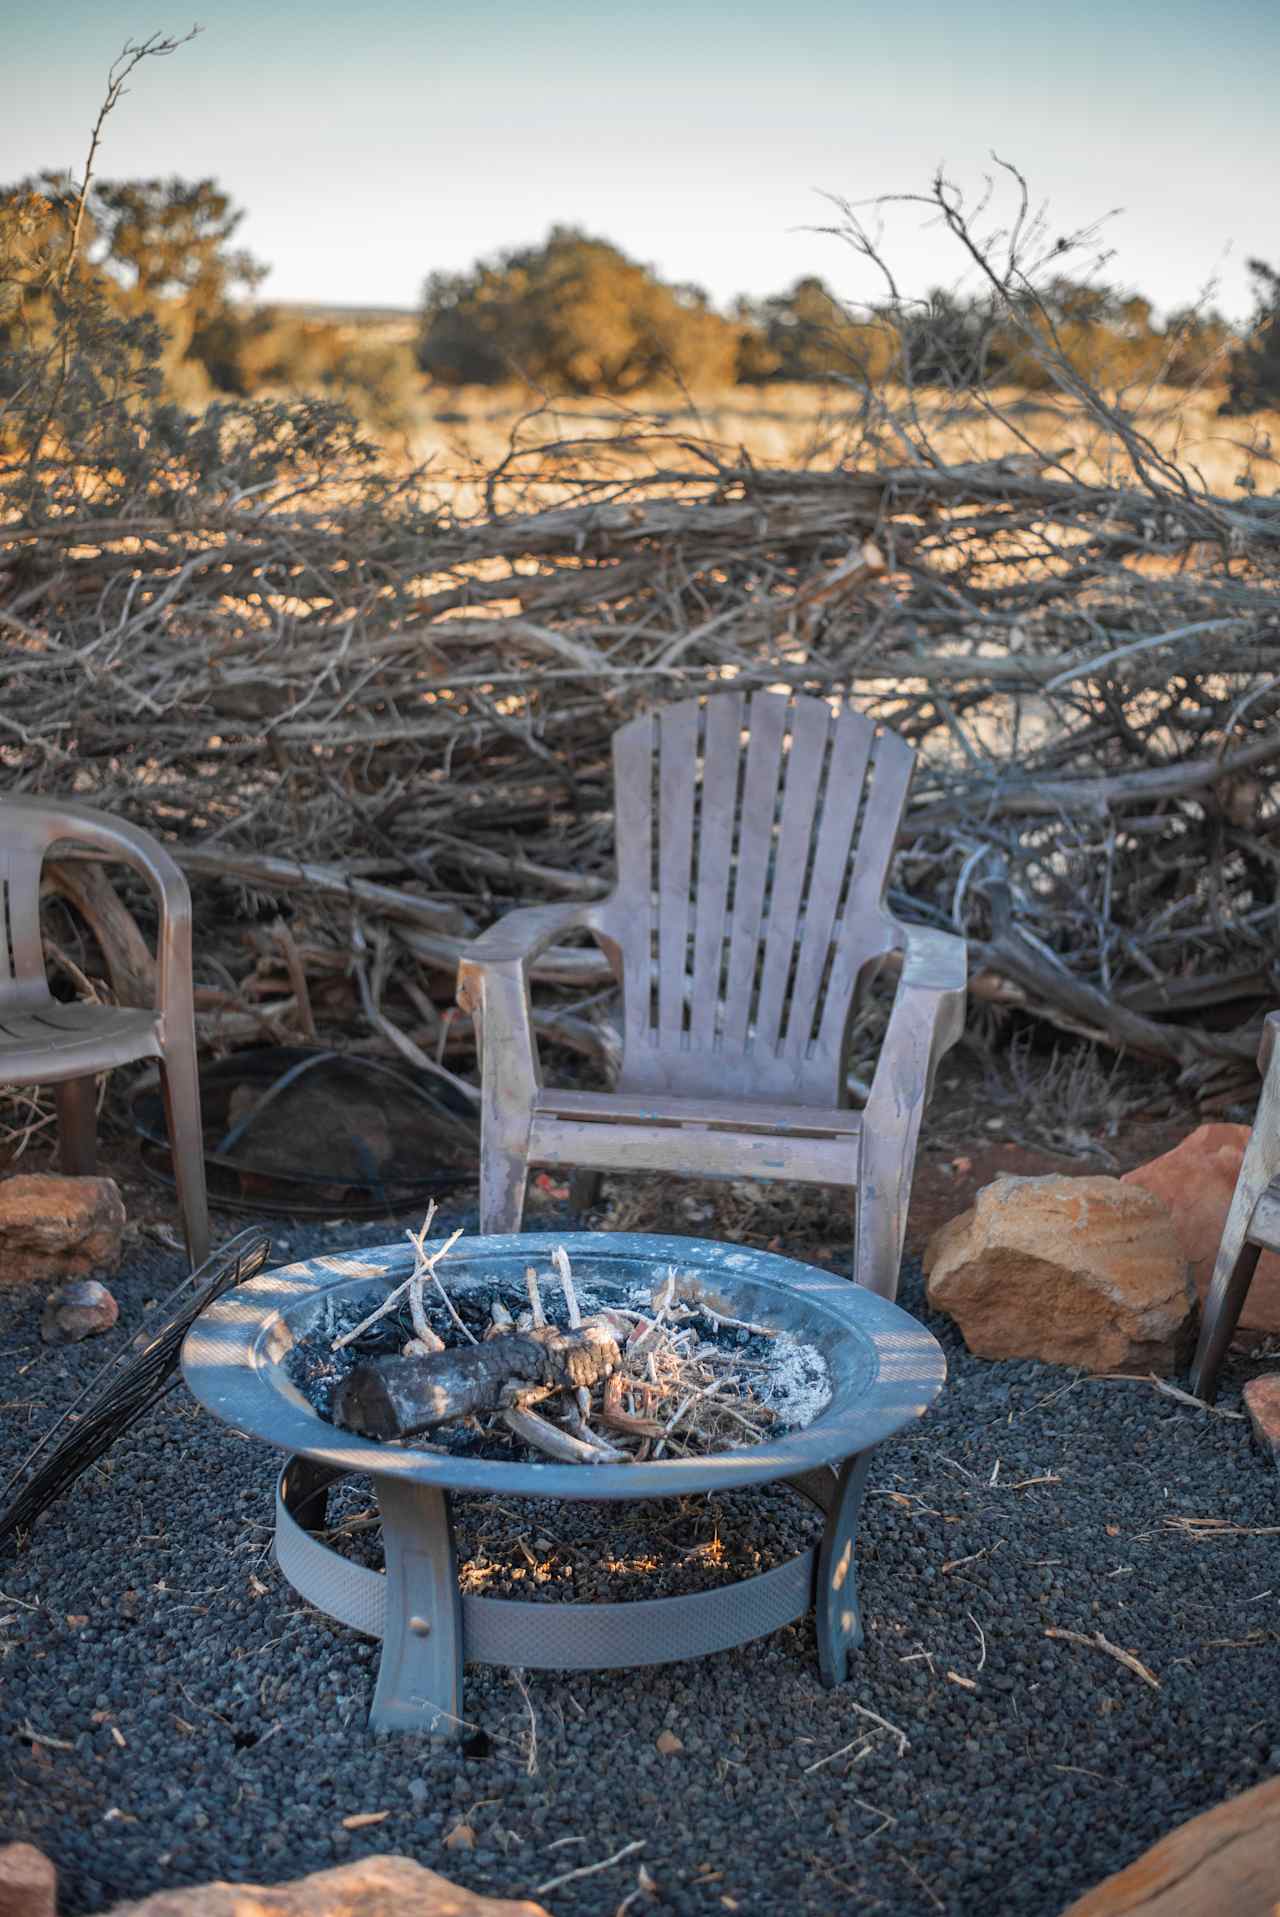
(371,143)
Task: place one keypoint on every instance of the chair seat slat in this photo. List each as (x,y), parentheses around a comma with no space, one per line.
(742,1114)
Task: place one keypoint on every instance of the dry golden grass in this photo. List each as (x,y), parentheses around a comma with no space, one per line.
(465,433)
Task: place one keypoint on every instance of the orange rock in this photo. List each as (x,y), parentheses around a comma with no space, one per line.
(56,1227)
(1225,1863)
(28,1882)
(1196,1180)
(374,1885)
(1262,1402)
(1073,1271)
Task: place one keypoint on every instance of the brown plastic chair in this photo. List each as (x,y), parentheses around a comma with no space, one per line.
(1252,1224)
(754,836)
(46,1042)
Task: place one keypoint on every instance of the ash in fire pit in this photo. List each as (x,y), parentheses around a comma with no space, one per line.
(619,1373)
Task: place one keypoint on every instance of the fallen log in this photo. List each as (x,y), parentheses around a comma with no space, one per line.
(397,1397)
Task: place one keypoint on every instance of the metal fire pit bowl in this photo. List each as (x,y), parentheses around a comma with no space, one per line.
(885,1370)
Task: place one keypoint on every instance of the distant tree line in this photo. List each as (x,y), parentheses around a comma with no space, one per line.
(574,314)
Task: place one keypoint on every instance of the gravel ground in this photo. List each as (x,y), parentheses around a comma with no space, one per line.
(202,1723)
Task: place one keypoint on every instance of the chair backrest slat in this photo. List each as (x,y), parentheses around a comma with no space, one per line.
(868,928)
(754,839)
(806,762)
(832,875)
(721,775)
(634,754)
(768,719)
(677,791)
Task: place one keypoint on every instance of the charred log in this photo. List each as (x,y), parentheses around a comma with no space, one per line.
(397,1397)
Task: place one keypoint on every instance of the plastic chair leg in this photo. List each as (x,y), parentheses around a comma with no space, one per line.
(180,1085)
(502,1187)
(584,1189)
(77,1103)
(1221,1315)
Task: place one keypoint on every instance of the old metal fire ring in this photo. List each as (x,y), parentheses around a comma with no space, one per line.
(886,1369)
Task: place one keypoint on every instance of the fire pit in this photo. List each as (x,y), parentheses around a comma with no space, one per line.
(882,1370)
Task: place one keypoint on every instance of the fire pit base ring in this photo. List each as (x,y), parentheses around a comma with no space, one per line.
(419,1684)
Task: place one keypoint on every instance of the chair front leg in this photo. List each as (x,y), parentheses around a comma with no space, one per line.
(927,1019)
(180,1086)
(77,1103)
(497,998)
(1237,1259)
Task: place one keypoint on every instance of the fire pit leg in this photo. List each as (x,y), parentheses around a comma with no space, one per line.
(837,1613)
(420,1675)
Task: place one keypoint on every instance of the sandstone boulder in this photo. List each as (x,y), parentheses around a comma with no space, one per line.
(1196,1180)
(1073,1271)
(374,1887)
(56,1227)
(82,1308)
(1225,1863)
(28,1882)
(1262,1402)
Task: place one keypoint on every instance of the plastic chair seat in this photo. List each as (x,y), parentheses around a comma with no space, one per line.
(53,1041)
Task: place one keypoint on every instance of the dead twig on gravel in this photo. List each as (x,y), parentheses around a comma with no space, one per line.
(1204,1529)
(589,1870)
(1100,1643)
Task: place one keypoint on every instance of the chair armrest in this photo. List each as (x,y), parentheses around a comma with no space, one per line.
(493,986)
(926,1020)
(519,938)
(133,847)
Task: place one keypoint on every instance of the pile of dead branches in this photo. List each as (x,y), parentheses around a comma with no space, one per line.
(615,1387)
(369,721)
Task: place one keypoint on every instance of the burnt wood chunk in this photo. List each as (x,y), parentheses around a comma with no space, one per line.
(398,1396)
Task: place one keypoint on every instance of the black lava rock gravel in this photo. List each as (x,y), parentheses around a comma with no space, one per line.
(172,1712)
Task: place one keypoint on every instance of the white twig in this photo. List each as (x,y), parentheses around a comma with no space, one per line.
(560,1259)
(393,1298)
(432,1262)
(862,1741)
(421,1329)
(535,1297)
(904,1744)
(736,1324)
(558,1444)
(1099,1643)
(589,1870)
(531,1761)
